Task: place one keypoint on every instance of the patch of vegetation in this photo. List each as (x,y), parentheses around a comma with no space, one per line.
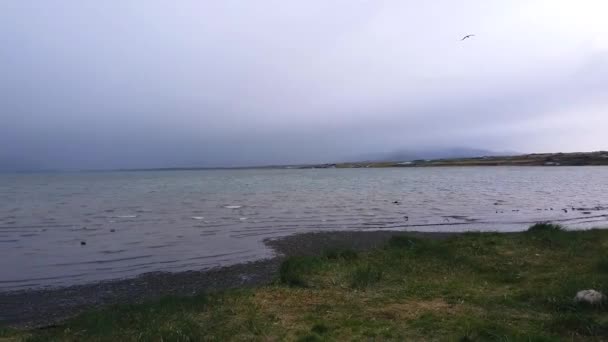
(545,227)
(551,235)
(319,328)
(310,338)
(294,270)
(5,332)
(471,287)
(365,275)
(421,247)
(405,242)
(345,254)
(602,264)
(9,335)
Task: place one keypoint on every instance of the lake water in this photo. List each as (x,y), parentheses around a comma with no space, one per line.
(137,222)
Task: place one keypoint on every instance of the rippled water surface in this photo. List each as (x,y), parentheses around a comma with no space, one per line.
(70,228)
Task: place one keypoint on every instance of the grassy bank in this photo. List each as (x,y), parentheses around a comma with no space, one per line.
(475,286)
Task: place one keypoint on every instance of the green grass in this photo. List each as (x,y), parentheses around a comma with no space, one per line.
(294,271)
(366,275)
(545,227)
(346,254)
(472,287)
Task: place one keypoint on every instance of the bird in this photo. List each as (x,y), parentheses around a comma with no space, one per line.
(467,36)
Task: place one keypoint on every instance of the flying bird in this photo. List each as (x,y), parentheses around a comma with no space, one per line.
(467,36)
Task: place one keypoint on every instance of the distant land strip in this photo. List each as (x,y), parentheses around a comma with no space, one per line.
(533,159)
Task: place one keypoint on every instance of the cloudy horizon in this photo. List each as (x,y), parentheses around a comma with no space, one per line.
(138,84)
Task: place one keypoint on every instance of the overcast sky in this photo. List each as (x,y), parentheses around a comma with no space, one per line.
(148,83)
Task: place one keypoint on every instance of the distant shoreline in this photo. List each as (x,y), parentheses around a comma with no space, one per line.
(598,158)
(536,159)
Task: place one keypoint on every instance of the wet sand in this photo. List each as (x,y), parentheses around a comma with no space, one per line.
(40,308)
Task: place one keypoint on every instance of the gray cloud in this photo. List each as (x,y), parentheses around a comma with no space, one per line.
(155,84)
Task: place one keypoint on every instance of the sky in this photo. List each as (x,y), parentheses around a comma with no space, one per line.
(150,83)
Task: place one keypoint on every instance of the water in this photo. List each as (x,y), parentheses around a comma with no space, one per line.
(137,222)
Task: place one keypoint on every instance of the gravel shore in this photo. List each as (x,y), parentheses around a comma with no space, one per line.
(40,308)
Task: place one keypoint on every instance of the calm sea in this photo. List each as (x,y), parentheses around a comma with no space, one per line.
(61,229)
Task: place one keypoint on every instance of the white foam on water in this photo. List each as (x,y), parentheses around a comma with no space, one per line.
(126,216)
(198,218)
(232,206)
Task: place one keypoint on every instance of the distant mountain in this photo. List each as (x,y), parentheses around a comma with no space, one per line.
(433,153)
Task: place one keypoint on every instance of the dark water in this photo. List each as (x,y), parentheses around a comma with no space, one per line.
(137,222)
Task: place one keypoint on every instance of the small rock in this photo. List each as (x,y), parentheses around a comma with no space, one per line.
(590,297)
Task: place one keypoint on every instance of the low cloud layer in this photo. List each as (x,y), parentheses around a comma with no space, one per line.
(121,84)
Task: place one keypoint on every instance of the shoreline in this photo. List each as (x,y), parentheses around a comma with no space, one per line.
(38,308)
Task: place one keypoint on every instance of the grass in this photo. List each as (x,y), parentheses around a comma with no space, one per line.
(472,287)
(545,227)
(295,271)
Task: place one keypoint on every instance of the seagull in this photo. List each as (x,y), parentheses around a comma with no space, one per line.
(467,36)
